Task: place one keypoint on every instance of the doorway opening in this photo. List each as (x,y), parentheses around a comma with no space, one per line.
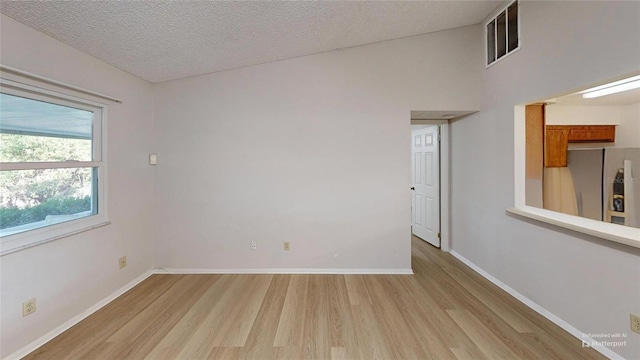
(430,175)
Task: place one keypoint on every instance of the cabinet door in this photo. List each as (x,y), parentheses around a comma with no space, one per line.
(556,142)
(595,133)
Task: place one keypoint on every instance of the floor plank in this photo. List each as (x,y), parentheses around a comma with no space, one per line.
(293,313)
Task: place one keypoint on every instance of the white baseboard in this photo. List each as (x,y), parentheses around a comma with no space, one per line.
(539,309)
(76,319)
(287,271)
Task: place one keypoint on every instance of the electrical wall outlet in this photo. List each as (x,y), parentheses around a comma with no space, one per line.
(123,262)
(635,323)
(253,245)
(29,307)
(286,246)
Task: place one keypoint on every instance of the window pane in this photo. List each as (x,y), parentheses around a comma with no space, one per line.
(491,42)
(28,148)
(31,199)
(513,26)
(501,42)
(32,130)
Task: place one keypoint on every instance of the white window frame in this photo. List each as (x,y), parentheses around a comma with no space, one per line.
(495,35)
(30,238)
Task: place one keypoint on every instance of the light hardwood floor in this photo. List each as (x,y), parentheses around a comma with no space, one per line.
(444,311)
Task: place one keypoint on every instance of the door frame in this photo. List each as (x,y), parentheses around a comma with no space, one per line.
(445,180)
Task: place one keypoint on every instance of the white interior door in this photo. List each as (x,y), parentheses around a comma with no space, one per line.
(425,204)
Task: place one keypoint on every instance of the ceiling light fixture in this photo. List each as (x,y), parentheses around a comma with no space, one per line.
(612,88)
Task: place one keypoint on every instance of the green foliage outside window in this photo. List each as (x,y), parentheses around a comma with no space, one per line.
(28,196)
(13,216)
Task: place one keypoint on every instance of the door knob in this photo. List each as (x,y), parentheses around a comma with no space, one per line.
(413,188)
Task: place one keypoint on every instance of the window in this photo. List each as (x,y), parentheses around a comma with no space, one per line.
(51,165)
(503,34)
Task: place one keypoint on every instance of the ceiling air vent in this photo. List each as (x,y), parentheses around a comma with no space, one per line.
(503,33)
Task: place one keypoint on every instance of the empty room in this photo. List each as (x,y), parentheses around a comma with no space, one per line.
(320,179)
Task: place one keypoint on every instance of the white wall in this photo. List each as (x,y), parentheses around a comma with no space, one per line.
(582,115)
(591,284)
(68,276)
(313,150)
(629,136)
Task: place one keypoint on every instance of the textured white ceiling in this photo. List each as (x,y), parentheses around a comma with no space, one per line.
(166,40)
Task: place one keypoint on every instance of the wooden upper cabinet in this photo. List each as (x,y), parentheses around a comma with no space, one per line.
(594,133)
(558,137)
(556,143)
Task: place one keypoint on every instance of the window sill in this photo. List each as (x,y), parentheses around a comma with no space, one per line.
(626,235)
(22,241)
